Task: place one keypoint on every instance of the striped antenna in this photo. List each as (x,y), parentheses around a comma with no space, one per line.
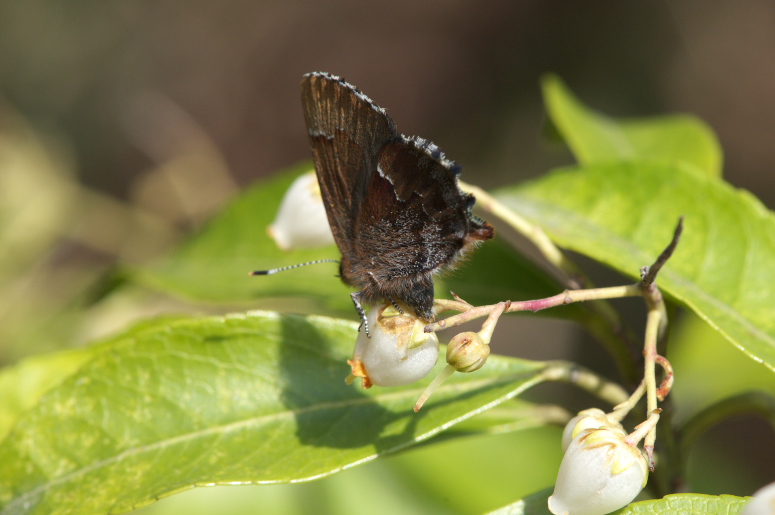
(275,270)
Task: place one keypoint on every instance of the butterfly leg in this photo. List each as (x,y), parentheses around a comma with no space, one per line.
(356,297)
(395,305)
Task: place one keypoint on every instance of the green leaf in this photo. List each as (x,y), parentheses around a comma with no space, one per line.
(253,398)
(593,137)
(22,385)
(696,504)
(536,504)
(424,480)
(677,504)
(623,214)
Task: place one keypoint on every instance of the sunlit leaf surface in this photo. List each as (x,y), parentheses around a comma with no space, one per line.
(623,214)
(596,138)
(696,504)
(242,399)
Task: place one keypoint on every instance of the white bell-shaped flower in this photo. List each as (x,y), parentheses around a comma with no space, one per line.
(599,474)
(399,351)
(592,418)
(301,221)
(763,502)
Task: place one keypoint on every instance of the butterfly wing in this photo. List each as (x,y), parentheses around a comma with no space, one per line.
(346,131)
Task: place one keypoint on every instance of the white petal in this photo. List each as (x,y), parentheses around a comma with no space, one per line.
(763,502)
(592,418)
(599,474)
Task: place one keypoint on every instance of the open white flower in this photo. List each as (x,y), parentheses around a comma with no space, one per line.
(301,221)
(599,474)
(399,352)
(763,502)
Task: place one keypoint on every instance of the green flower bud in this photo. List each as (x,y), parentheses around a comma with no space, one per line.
(467,352)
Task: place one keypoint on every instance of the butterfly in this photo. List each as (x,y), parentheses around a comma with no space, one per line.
(392,201)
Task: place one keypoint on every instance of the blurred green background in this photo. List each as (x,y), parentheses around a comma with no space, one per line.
(125,124)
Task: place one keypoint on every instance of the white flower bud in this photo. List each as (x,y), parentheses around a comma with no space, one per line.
(599,474)
(592,418)
(301,221)
(399,351)
(763,502)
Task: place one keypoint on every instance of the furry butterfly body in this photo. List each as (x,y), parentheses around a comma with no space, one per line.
(392,201)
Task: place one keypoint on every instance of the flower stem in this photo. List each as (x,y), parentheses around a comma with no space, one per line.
(561,299)
(606,324)
(587,380)
(489,325)
(530,231)
(621,410)
(437,381)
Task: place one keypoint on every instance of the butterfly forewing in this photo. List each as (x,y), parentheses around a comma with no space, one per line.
(346,132)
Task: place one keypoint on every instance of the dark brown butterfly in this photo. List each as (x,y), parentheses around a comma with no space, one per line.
(393,202)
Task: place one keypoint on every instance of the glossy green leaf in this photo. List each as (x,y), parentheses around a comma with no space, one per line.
(594,137)
(623,214)
(680,504)
(253,398)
